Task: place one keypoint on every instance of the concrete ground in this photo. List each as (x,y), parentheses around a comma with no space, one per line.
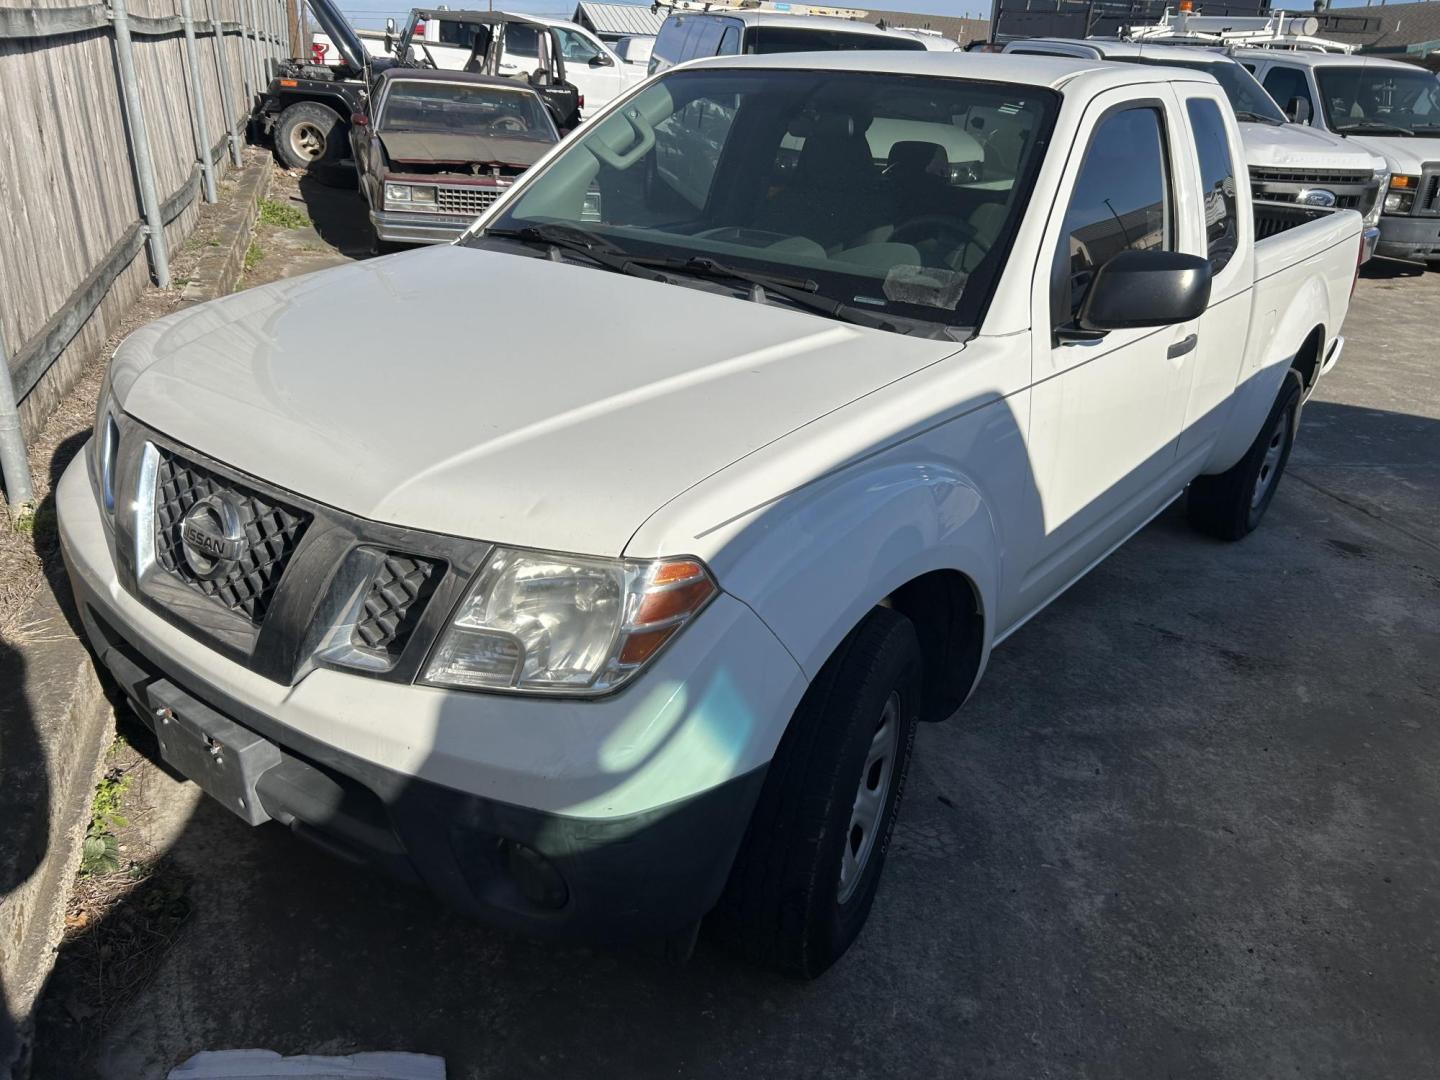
(1186,828)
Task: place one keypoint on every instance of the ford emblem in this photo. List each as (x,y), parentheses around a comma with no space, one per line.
(1316,197)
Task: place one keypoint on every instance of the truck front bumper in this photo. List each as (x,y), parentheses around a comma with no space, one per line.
(589,820)
(409,227)
(1414,238)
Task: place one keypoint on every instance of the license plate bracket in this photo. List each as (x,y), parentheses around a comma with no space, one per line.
(225,759)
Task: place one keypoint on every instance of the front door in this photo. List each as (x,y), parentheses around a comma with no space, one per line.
(1105,414)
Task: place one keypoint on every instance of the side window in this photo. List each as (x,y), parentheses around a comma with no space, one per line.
(1121,202)
(1285,84)
(1217,181)
(729,41)
(576,47)
(521,40)
(707,41)
(670,40)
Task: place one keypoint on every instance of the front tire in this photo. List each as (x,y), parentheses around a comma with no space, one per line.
(810,864)
(309,136)
(1230,505)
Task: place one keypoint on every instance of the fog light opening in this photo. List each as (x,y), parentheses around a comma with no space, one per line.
(533,875)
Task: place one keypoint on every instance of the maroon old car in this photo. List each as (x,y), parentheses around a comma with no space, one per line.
(438,147)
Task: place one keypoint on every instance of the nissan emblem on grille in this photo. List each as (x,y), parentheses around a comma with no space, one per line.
(212,536)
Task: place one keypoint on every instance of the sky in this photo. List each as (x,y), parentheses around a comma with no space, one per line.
(373,13)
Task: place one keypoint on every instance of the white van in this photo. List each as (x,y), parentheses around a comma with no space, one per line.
(695,34)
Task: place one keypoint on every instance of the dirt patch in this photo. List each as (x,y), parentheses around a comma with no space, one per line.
(127,907)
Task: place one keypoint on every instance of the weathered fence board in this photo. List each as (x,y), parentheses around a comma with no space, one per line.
(72,255)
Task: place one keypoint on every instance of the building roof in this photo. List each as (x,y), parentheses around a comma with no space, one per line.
(618,19)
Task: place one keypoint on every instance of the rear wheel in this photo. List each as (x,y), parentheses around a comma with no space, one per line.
(1230,505)
(309,135)
(808,870)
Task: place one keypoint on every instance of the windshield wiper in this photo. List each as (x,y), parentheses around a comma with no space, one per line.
(1376,125)
(798,291)
(1257,118)
(581,242)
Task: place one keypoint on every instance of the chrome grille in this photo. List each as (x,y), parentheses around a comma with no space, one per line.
(465,200)
(1342,202)
(1310,176)
(272,532)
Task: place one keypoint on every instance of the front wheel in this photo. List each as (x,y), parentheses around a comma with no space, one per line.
(1230,505)
(808,869)
(309,136)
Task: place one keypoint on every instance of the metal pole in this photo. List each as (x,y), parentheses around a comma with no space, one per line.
(197,95)
(140,146)
(14,460)
(222,76)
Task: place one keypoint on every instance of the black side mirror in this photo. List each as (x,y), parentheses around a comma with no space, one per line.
(599,60)
(1145,288)
(389,35)
(1298,110)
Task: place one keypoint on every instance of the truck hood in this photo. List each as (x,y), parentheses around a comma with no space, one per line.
(1297,146)
(1405,153)
(496,396)
(430,147)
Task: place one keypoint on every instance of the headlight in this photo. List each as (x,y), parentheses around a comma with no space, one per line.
(572,624)
(418,196)
(104,447)
(1402,194)
(1373,214)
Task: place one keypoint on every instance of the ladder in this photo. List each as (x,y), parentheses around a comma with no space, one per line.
(1276,31)
(773,7)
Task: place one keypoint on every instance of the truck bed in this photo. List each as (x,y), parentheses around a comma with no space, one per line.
(1272,219)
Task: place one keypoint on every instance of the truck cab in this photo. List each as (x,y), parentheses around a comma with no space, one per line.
(696,32)
(597,72)
(609,621)
(1388,108)
(1289,162)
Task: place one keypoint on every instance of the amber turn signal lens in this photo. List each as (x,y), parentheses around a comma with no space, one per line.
(680,600)
(639,647)
(1405,182)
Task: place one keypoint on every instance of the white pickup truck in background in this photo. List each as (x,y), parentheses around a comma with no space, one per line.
(610,622)
(1382,106)
(1289,162)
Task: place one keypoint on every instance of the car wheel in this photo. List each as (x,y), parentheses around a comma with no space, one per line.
(806,875)
(1230,505)
(309,136)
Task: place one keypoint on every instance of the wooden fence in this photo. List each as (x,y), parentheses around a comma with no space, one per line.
(73,234)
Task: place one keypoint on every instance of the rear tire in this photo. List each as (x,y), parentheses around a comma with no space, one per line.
(1230,505)
(309,136)
(809,866)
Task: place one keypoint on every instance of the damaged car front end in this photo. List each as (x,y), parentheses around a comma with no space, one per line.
(439,147)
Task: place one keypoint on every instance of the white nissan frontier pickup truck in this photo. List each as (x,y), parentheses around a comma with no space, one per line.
(622,612)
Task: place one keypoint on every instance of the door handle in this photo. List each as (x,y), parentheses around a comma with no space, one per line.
(1183,346)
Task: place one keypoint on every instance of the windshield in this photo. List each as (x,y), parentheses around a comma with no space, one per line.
(1380,99)
(896,194)
(788,39)
(1247,97)
(463,109)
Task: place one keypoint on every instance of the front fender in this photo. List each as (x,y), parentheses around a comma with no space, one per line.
(818,560)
